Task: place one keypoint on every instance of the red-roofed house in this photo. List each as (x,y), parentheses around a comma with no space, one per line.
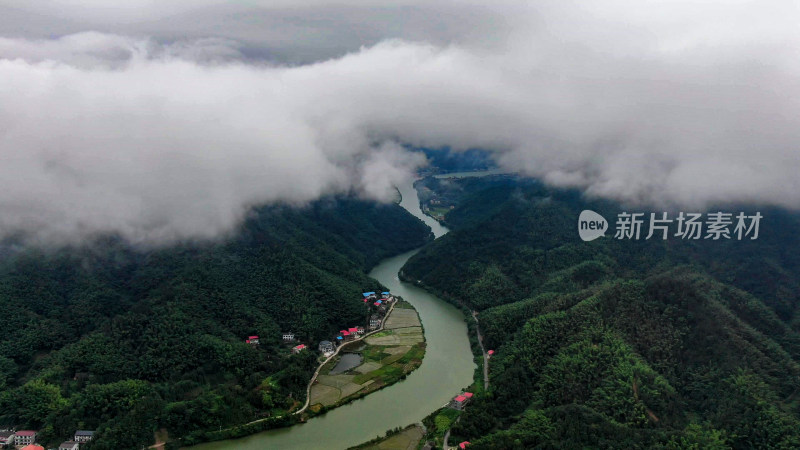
(252,340)
(346,335)
(463,445)
(24,437)
(298,348)
(353,330)
(460,400)
(32,447)
(490,352)
(360,330)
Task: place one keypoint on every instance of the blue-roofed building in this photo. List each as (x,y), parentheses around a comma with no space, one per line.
(385,294)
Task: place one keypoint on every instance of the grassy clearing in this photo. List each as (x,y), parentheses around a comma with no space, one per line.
(444,420)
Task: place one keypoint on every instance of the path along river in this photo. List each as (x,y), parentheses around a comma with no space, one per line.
(446,369)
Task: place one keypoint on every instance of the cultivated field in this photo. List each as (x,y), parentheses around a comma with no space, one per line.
(387,356)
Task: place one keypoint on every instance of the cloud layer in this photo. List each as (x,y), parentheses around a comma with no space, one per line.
(660,103)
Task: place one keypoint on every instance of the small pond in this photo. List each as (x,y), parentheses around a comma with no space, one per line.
(347,362)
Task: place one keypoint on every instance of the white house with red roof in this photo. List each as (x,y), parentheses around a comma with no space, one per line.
(298,348)
(24,437)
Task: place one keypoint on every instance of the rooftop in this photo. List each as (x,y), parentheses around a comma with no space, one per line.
(25,433)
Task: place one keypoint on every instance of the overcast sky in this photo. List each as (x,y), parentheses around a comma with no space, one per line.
(168,120)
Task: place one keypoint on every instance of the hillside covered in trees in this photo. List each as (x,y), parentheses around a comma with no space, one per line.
(619,343)
(128,341)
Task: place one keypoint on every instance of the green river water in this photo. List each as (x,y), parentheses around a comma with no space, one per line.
(446,369)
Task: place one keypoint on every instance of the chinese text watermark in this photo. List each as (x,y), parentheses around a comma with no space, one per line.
(635,226)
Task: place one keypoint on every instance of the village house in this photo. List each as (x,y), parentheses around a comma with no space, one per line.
(346,335)
(360,330)
(298,348)
(82,436)
(374,322)
(353,332)
(381,306)
(6,438)
(24,437)
(339,340)
(252,340)
(326,347)
(31,447)
(461,400)
(385,294)
(68,445)
(463,445)
(370,295)
(288,337)
(490,353)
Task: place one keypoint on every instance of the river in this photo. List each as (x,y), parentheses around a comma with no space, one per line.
(446,369)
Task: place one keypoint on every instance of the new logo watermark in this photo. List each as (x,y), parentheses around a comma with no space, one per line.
(591,225)
(716,226)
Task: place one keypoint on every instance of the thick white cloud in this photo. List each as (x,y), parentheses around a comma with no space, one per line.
(683,104)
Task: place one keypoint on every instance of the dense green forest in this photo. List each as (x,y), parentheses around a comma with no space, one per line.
(619,343)
(128,341)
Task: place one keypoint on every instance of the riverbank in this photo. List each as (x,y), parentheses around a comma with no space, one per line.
(386,357)
(448,367)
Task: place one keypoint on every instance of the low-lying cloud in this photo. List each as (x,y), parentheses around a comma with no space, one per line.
(644,102)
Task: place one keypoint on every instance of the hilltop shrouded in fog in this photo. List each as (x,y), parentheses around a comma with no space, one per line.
(169,122)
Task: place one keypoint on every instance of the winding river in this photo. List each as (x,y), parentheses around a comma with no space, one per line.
(446,369)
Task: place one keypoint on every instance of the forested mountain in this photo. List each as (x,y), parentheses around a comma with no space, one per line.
(620,343)
(129,341)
